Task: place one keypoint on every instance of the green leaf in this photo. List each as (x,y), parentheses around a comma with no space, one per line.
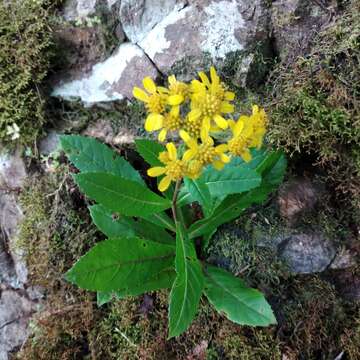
(128,264)
(120,195)
(230,180)
(228,210)
(187,288)
(240,304)
(125,227)
(110,226)
(149,150)
(162,280)
(103,297)
(200,193)
(162,220)
(90,155)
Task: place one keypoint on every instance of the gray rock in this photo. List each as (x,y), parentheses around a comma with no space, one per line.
(112,79)
(295,24)
(297,197)
(138,17)
(15,311)
(307,253)
(49,143)
(74,9)
(12,177)
(12,171)
(213,27)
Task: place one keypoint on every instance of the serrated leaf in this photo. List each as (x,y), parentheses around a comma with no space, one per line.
(230,180)
(162,220)
(240,304)
(125,227)
(149,150)
(200,193)
(228,210)
(120,195)
(90,155)
(187,288)
(162,280)
(103,297)
(126,264)
(110,226)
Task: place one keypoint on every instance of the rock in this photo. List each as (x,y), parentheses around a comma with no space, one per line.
(295,24)
(138,17)
(12,171)
(344,259)
(49,143)
(82,47)
(347,283)
(15,311)
(101,130)
(12,177)
(75,9)
(297,197)
(112,79)
(307,253)
(213,27)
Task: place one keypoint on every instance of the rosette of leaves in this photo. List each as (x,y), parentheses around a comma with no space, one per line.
(147,250)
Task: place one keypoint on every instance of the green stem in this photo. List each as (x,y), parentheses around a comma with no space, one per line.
(173,205)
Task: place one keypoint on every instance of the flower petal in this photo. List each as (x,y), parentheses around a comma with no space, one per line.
(220,122)
(156,171)
(175,111)
(226,108)
(172,80)
(175,99)
(154,122)
(162,135)
(229,95)
(224,158)
(218,165)
(189,154)
(221,148)
(204,78)
(214,76)
(246,155)
(194,114)
(238,127)
(140,94)
(149,85)
(164,183)
(171,148)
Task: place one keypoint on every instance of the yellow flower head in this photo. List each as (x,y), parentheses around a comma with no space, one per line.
(205,152)
(173,170)
(242,138)
(171,121)
(210,100)
(258,121)
(178,91)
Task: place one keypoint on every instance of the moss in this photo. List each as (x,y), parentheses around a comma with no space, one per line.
(314,106)
(25,53)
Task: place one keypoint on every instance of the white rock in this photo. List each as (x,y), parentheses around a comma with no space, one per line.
(213,27)
(138,17)
(75,9)
(112,79)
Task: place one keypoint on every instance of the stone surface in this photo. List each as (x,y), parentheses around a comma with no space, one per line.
(74,9)
(297,197)
(81,47)
(295,24)
(138,17)
(12,171)
(15,311)
(49,143)
(213,27)
(112,79)
(307,253)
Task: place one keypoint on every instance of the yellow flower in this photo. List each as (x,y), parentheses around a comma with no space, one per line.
(242,138)
(178,91)
(258,121)
(210,100)
(205,152)
(155,101)
(173,170)
(171,121)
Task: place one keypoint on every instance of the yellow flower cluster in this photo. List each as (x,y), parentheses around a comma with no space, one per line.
(194,113)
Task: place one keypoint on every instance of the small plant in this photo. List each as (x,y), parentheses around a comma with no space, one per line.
(159,241)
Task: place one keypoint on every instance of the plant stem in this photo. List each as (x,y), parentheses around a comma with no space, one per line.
(173,205)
